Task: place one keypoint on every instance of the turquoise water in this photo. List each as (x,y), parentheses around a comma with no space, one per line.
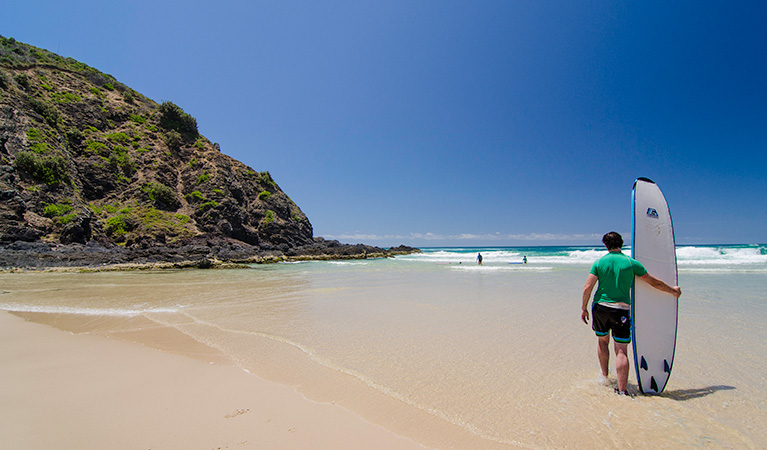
(437,347)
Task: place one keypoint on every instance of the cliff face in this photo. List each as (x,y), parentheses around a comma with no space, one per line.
(85,159)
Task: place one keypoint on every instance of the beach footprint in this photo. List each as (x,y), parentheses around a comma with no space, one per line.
(236,412)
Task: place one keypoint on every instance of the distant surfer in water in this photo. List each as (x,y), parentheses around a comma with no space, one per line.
(479,258)
(524,260)
(615,273)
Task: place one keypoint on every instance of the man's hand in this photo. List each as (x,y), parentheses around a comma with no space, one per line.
(591,281)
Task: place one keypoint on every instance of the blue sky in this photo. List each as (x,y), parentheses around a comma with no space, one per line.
(459,123)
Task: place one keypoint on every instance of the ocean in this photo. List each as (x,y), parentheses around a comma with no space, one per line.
(451,353)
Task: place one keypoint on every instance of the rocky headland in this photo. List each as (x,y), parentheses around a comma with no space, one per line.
(95,175)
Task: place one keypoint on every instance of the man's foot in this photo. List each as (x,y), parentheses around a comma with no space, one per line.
(626,392)
(603,380)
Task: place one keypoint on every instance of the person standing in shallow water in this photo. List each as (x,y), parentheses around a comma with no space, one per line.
(610,310)
(479,258)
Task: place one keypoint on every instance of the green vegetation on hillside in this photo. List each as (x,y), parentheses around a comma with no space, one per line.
(48,169)
(82,151)
(172,117)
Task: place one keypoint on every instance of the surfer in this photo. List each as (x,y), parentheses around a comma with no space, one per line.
(612,304)
(524,260)
(479,258)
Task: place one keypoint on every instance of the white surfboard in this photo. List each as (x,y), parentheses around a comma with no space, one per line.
(653,312)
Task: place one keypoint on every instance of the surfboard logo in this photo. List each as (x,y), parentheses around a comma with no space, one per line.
(651,212)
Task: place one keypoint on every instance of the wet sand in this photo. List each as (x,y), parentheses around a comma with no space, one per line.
(66,391)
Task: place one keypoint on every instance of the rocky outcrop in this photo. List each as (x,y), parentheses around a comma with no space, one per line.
(203,251)
(92,172)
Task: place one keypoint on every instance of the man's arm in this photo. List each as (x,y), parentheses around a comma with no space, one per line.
(591,281)
(660,285)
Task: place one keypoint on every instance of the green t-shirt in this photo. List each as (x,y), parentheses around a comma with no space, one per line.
(616,273)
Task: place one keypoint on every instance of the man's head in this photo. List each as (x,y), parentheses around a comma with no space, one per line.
(612,240)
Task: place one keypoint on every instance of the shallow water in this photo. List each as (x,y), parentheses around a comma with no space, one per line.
(454,354)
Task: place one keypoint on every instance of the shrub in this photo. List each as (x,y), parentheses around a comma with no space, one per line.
(96,209)
(4,80)
(75,137)
(120,159)
(53,170)
(263,195)
(203,178)
(265,178)
(22,80)
(173,139)
(137,118)
(49,169)
(172,117)
(96,147)
(118,137)
(34,134)
(39,147)
(66,219)
(157,222)
(116,226)
(207,205)
(37,139)
(66,97)
(26,162)
(48,112)
(56,209)
(161,195)
(195,197)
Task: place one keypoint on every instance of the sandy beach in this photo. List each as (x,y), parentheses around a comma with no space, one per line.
(67,391)
(395,353)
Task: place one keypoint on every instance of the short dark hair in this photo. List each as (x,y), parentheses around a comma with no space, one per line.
(612,240)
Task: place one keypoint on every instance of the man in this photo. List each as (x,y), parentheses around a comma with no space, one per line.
(612,304)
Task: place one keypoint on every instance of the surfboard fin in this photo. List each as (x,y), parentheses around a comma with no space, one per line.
(643,363)
(653,384)
(666,367)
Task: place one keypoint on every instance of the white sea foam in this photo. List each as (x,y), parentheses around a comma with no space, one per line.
(734,257)
(721,255)
(57,309)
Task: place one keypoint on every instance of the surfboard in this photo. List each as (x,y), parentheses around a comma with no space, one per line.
(654,313)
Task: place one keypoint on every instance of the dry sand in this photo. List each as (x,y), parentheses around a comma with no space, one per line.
(65,391)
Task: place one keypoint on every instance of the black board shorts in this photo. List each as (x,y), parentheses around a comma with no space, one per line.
(617,320)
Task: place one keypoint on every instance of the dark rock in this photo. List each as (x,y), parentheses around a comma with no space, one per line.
(78,231)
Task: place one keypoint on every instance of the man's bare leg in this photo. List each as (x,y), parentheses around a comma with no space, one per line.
(622,366)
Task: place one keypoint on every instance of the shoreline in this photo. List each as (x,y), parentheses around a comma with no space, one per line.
(309,383)
(64,390)
(206,254)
